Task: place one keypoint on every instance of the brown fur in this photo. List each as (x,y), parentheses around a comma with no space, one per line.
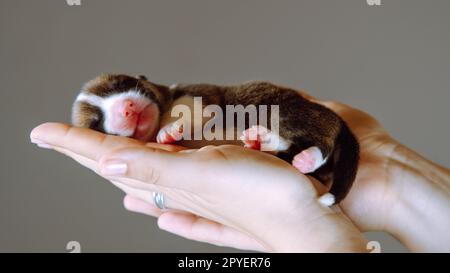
(87,115)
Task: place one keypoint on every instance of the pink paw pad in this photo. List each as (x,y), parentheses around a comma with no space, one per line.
(253,137)
(170,133)
(308,160)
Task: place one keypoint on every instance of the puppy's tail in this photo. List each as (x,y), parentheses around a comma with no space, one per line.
(345,166)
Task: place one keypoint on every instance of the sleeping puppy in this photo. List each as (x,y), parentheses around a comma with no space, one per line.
(311,137)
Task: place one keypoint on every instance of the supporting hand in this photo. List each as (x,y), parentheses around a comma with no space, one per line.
(226,195)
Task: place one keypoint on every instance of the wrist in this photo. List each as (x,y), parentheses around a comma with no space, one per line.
(419,200)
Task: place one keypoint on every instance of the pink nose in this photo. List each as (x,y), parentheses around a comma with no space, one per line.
(128,108)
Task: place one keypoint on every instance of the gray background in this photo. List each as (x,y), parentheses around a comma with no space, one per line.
(393,61)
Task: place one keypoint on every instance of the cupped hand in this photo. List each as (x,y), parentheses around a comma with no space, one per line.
(225,195)
(370,200)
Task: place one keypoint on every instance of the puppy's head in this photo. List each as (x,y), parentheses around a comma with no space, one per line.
(121,105)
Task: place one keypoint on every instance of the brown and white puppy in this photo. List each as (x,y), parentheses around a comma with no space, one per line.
(310,136)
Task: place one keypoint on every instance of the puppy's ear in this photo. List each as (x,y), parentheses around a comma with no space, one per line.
(141,77)
(87,116)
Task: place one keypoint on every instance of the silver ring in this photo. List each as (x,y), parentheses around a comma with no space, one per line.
(158,199)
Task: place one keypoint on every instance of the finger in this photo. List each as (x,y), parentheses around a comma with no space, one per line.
(86,142)
(84,161)
(200,229)
(82,141)
(166,147)
(146,197)
(137,189)
(151,166)
(134,204)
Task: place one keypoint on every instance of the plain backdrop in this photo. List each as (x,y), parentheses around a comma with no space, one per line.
(391,60)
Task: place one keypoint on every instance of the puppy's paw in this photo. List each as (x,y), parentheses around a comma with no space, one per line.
(262,139)
(308,160)
(254,136)
(170,133)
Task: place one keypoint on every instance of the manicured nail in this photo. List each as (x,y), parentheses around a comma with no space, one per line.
(44,146)
(41,144)
(114,168)
(36,141)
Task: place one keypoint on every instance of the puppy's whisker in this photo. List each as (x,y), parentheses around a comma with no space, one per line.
(137,84)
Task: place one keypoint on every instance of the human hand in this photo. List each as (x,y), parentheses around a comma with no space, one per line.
(369,201)
(225,195)
(396,190)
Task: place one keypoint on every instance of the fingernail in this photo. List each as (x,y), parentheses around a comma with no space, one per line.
(40,143)
(36,141)
(44,146)
(114,168)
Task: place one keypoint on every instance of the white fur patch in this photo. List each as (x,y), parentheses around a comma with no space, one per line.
(91,99)
(275,143)
(327,199)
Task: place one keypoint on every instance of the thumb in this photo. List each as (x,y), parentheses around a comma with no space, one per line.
(151,166)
